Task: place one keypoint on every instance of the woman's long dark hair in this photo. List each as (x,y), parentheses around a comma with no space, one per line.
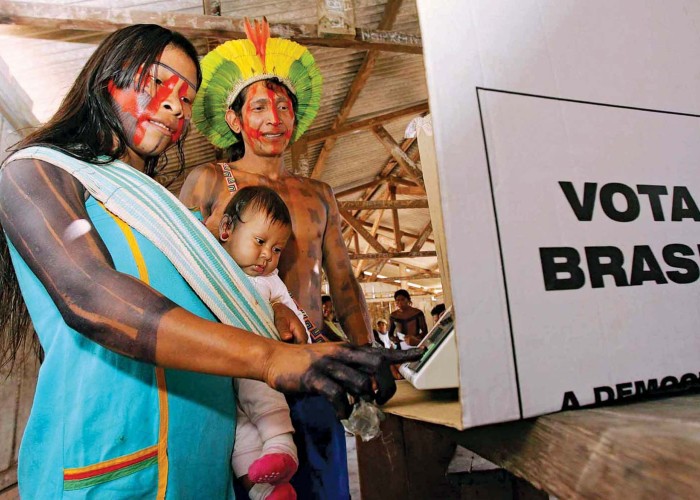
(86,127)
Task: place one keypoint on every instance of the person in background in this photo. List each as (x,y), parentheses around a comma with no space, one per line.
(437,311)
(133,397)
(381,334)
(408,325)
(331,330)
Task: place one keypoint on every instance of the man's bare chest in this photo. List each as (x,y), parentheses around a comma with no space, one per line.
(308,211)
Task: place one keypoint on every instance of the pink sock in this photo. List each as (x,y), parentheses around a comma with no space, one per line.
(273,468)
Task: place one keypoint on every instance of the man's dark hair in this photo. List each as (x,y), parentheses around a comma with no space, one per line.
(261,199)
(86,126)
(326,298)
(237,151)
(437,310)
(402,293)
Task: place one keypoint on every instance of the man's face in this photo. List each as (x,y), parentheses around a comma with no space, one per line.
(267,119)
(401,302)
(327,308)
(155,117)
(381,327)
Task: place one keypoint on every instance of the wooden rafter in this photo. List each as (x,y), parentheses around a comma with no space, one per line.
(390,279)
(79,17)
(373,232)
(379,267)
(15,105)
(422,237)
(395,218)
(399,181)
(410,190)
(392,204)
(366,124)
(387,21)
(392,255)
(371,192)
(405,161)
(358,227)
(389,231)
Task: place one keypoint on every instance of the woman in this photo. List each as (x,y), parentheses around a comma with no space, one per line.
(408,325)
(108,264)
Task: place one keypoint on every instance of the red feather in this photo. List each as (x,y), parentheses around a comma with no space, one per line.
(258,36)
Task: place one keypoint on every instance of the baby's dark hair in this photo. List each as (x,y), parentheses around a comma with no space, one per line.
(260,199)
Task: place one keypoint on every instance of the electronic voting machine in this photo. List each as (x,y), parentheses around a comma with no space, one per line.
(437,369)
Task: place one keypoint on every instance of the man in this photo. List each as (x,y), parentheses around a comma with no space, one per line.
(263,111)
(381,334)
(437,312)
(330,329)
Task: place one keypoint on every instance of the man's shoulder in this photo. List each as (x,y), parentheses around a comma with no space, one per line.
(206,171)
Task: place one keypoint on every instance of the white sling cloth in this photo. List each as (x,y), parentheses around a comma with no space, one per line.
(153,211)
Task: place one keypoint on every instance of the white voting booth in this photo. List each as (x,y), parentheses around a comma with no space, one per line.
(567,142)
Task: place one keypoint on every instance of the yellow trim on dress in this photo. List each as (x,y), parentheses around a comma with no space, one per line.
(160,373)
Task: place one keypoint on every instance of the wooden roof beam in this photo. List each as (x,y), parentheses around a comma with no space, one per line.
(15,104)
(390,11)
(359,228)
(390,279)
(406,184)
(79,17)
(387,229)
(391,204)
(392,255)
(367,123)
(422,237)
(395,217)
(407,164)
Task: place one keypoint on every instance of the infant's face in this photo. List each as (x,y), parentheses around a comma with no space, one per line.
(256,244)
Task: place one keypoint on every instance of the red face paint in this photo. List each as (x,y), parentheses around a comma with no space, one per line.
(138,107)
(262,115)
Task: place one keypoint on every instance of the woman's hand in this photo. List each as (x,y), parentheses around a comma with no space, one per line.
(335,370)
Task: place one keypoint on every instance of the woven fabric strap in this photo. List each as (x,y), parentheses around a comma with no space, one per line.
(159,216)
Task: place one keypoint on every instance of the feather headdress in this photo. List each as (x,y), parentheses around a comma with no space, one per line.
(234,65)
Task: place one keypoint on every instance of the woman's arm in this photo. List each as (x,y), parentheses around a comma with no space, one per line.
(40,202)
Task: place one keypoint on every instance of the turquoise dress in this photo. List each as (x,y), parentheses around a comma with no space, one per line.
(105,426)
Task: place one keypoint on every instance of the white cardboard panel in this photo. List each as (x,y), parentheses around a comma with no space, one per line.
(526,94)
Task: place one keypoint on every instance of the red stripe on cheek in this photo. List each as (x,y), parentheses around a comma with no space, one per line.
(272,96)
(250,132)
(162,94)
(127,99)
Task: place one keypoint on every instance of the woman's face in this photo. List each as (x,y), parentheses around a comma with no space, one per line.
(155,117)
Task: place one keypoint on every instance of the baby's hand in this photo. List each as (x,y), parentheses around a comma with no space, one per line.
(290,329)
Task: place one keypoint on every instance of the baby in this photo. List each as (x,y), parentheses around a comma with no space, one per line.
(254,230)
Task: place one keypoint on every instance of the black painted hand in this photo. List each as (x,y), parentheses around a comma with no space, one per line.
(336,370)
